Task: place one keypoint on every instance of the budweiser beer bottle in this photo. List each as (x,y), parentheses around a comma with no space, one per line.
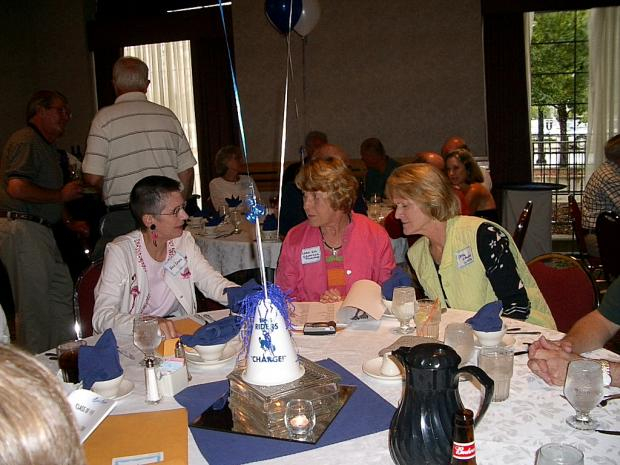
(463,445)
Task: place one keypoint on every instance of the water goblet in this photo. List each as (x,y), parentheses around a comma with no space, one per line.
(403,308)
(584,389)
(224,211)
(460,337)
(235,219)
(146,336)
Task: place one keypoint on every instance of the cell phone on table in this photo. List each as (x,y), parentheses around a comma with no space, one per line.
(320,328)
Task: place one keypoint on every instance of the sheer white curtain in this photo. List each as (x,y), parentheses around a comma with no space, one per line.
(170,72)
(604,97)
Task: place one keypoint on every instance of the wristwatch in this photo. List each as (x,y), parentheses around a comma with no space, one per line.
(606,372)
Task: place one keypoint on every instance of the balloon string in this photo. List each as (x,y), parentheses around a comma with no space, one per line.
(244,147)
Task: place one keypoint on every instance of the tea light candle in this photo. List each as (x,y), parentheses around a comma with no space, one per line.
(300,422)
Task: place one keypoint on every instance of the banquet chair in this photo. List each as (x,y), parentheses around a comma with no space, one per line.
(567,286)
(521,229)
(607,236)
(593,263)
(84,297)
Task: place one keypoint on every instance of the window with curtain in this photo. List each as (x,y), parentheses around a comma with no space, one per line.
(170,72)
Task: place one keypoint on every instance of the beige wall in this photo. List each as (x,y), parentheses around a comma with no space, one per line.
(43,46)
(407,71)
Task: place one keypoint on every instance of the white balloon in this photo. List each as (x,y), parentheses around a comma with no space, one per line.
(310,14)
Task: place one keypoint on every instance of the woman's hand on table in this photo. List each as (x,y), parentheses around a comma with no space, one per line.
(330,296)
(549,360)
(167,329)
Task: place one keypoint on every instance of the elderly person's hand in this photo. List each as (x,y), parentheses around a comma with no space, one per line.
(167,328)
(331,295)
(550,359)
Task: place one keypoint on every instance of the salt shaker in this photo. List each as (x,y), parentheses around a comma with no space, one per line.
(150,377)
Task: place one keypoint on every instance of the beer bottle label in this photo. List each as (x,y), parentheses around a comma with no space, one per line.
(463,450)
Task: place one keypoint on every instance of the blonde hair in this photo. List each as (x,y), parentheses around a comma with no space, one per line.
(426,186)
(329,175)
(474,173)
(36,421)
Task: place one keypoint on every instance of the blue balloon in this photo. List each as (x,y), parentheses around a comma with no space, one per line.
(279,11)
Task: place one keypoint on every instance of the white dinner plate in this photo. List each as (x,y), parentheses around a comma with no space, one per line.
(124,390)
(507,341)
(372,368)
(230,351)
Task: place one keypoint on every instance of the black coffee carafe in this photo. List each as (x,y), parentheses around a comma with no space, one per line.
(421,428)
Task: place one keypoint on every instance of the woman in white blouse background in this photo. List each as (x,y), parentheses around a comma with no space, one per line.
(231,182)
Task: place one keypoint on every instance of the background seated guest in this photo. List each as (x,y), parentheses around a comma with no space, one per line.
(465,174)
(323,256)
(36,421)
(464,261)
(292,209)
(314,139)
(457,142)
(378,166)
(602,193)
(153,270)
(550,359)
(229,165)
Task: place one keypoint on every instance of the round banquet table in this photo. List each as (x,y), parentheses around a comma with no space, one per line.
(510,432)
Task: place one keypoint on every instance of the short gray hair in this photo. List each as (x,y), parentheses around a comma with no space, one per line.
(130,74)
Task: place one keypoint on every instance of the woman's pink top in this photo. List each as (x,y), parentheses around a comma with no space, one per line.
(302,270)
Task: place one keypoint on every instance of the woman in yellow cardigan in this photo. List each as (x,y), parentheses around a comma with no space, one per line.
(464,261)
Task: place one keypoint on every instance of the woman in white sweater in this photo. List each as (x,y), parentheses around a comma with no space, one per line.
(230,182)
(153,270)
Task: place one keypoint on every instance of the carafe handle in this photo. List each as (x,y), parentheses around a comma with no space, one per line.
(488,384)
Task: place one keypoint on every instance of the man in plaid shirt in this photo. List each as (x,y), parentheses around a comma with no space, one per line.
(602,192)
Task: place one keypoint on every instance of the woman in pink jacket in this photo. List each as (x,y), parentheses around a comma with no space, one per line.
(323,256)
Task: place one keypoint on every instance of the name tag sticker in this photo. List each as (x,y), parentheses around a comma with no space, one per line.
(311,255)
(175,264)
(464,257)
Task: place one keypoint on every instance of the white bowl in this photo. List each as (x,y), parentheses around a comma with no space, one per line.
(210,230)
(108,388)
(209,353)
(490,339)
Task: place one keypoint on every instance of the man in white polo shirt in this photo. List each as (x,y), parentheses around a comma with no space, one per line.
(128,141)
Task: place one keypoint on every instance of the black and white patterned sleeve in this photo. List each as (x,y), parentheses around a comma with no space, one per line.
(501,271)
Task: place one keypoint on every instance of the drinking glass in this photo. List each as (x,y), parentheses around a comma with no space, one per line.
(559,454)
(68,360)
(374,207)
(403,308)
(299,417)
(235,219)
(584,389)
(146,336)
(223,211)
(498,363)
(460,337)
(427,318)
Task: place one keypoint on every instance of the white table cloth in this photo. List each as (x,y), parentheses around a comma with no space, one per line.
(510,432)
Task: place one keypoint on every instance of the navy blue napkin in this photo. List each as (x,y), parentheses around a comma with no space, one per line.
(99,362)
(218,332)
(214,220)
(398,278)
(233,201)
(365,413)
(271,223)
(487,318)
(237,294)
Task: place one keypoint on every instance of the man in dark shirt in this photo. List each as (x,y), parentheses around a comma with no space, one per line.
(31,202)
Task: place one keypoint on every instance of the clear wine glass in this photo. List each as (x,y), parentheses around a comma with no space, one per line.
(584,389)
(235,219)
(146,336)
(403,308)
